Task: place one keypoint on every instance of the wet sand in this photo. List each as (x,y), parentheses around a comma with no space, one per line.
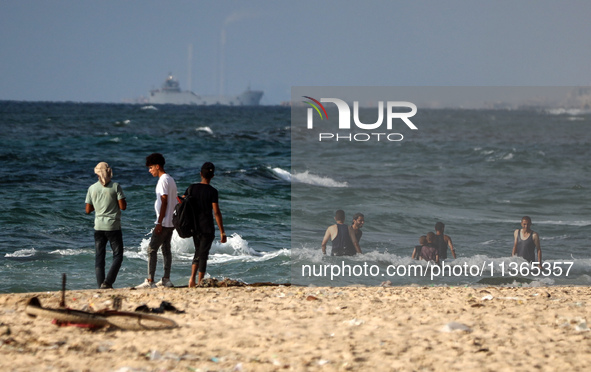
(312,329)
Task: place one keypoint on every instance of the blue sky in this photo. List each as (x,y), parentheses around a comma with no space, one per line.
(109,51)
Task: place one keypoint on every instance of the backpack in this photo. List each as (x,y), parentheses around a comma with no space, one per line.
(183,217)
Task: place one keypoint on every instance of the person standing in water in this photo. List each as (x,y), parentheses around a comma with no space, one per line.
(356,225)
(344,242)
(442,242)
(527,242)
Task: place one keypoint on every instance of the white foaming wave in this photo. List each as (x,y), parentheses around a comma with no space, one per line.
(307,178)
(281,173)
(483,152)
(68,252)
(507,156)
(312,179)
(314,255)
(238,245)
(567,223)
(559,237)
(135,255)
(22,253)
(235,249)
(180,248)
(261,257)
(149,107)
(563,111)
(204,129)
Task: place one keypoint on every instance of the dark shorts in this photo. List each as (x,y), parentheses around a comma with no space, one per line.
(202,246)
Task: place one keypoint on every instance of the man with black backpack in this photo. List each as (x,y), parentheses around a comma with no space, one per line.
(204,199)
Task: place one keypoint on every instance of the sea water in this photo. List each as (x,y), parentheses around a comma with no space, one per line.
(48,155)
(478,171)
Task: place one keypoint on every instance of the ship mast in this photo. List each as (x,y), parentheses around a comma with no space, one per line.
(190,67)
(222,60)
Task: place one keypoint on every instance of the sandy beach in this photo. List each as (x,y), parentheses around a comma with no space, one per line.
(311,329)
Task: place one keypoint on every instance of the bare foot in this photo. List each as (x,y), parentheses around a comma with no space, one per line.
(191,283)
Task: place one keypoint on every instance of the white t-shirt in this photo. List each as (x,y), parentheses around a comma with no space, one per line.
(166,186)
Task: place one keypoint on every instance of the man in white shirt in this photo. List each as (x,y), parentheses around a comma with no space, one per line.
(166,200)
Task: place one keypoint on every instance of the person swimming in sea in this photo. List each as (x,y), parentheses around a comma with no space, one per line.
(344,241)
(527,242)
(429,252)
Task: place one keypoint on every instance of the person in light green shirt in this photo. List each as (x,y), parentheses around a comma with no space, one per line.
(107,200)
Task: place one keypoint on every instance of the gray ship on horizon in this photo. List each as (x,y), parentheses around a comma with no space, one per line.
(171,93)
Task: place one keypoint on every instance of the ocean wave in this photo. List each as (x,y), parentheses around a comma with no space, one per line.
(307,178)
(219,258)
(235,249)
(567,223)
(563,111)
(69,252)
(22,253)
(281,173)
(505,156)
(149,107)
(204,129)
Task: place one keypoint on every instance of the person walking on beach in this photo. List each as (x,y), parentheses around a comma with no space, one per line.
(206,205)
(344,241)
(527,242)
(166,200)
(442,241)
(107,200)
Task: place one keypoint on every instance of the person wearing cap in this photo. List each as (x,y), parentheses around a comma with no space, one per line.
(166,200)
(107,200)
(205,202)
